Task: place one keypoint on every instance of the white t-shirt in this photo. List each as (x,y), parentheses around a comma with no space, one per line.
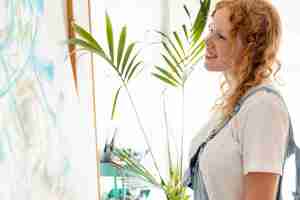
(253,141)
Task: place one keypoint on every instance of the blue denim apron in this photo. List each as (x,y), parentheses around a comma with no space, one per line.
(193,176)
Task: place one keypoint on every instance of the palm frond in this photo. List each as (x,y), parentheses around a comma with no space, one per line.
(87,36)
(170,53)
(126,56)
(167,74)
(164,79)
(110,37)
(87,46)
(197,50)
(133,70)
(172,66)
(184,28)
(180,54)
(133,165)
(188,13)
(179,42)
(128,69)
(201,20)
(168,39)
(115,100)
(122,42)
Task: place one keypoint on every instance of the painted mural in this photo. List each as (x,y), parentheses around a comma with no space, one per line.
(36,159)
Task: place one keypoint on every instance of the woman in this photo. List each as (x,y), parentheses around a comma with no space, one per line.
(244,160)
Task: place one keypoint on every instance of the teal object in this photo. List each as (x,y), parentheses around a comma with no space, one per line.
(118,193)
(108,169)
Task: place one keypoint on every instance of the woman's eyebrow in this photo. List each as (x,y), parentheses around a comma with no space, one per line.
(220,30)
(215,27)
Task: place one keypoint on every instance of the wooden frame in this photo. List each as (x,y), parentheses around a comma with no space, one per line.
(71,34)
(72,52)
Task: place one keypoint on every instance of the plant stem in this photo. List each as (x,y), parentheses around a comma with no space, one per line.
(182,133)
(168,135)
(143,130)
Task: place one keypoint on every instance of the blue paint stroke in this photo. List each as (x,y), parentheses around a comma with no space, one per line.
(44,67)
(35,6)
(35,67)
(3,148)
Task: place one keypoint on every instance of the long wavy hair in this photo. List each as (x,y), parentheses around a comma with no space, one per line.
(258,24)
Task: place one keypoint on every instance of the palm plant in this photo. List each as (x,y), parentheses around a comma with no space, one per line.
(125,64)
(123,60)
(179,56)
(182,54)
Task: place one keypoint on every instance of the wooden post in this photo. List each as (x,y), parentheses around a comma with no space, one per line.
(94,107)
(72,48)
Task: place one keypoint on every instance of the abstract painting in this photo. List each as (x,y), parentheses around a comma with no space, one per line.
(38,138)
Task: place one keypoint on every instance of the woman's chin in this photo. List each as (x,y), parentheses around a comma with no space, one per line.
(214,66)
(209,66)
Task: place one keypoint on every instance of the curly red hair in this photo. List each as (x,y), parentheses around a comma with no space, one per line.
(258,24)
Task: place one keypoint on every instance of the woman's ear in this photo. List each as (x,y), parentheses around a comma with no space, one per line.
(239,50)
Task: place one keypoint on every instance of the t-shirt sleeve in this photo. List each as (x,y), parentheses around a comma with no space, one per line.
(264,135)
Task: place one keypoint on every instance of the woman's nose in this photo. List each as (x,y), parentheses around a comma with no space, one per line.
(208,39)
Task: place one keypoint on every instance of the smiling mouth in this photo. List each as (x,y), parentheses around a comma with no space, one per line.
(211,56)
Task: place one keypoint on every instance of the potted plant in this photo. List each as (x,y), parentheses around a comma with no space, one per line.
(182,49)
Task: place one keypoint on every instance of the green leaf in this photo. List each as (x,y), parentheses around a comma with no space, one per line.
(86,46)
(115,99)
(133,70)
(172,66)
(171,43)
(164,79)
(197,51)
(86,36)
(185,32)
(130,66)
(179,41)
(187,11)
(122,42)
(201,20)
(166,47)
(133,165)
(167,74)
(110,37)
(126,57)
(201,46)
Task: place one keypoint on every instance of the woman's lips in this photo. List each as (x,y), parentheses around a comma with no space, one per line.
(210,57)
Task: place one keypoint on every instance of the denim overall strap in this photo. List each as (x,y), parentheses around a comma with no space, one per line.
(193,177)
(297,159)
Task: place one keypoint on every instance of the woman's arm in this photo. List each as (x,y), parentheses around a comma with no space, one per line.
(260,186)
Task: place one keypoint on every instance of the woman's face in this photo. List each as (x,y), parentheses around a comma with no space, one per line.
(222,51)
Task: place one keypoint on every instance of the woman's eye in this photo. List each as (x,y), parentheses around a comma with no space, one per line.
(220,36)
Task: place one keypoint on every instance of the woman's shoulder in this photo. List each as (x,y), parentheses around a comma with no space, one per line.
(263,107)
(262,112)
(264,99)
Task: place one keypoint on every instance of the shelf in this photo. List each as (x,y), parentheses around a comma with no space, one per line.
(111,170)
